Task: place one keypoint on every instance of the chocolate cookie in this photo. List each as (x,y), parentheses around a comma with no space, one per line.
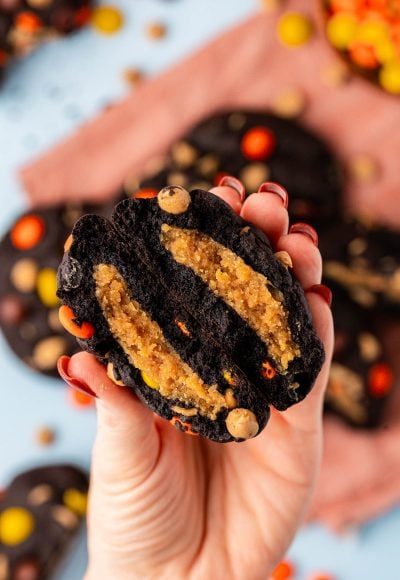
(24,24)
(40,512)
(365,260)
(30,253)
(361,378)
(256,147)
(188,305)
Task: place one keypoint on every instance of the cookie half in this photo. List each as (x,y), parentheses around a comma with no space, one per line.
(189,306)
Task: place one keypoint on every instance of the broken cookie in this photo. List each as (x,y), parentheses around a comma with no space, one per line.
(188,305)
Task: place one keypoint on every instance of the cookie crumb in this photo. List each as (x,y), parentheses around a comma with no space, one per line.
(45,436)
(133,76)
(156,30)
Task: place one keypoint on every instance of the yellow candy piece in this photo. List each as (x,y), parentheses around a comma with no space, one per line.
(389,77)
(385,51)
(16,525)
(76,501)
(107,19)
(149,381)
(341,30)
(294,29)
(372,32)
(46,287)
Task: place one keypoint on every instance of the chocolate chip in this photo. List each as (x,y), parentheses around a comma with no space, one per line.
(70,273)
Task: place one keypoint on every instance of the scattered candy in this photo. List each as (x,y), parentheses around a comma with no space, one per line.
(79,399)
(271,5)
(283,571)
(76,501)
(45,436)
(363,168)
(133,76)
(380,380)
(156,30)
(107,19)
(367,35)
(294,29)
(47,287)
(23,275)
(289,104)
(336,74)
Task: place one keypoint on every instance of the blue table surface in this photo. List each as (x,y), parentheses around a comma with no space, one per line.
(45,98)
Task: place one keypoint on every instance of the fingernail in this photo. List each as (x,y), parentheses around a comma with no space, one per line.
(234,183)
(323,291)
(276,189)
(305,230)
(62,367)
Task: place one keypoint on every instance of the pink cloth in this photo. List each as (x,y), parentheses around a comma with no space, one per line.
(248,67)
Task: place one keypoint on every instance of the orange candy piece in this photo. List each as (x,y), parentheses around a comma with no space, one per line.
(258,143)
(268,371)
(145,193)
(28,21)
(67,317)
(364,56)
(380,380)
(186,426)
(79,399)
(27,232)
(68,243)
(283,571)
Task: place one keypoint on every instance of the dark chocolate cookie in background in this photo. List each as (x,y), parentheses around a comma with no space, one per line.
(41,511)
(24,24)
(194,311)
(364,259)
(256,147)
(30,253)
(361,378)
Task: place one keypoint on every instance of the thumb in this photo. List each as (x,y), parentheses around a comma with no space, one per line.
(127,440)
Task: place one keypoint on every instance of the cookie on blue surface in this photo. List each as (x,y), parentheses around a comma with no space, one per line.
(41,511)
(364,259)
(361,378)
(24,24)
(30,253)
(257,147)
(189,306)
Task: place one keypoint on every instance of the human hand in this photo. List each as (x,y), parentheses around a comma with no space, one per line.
(166,505)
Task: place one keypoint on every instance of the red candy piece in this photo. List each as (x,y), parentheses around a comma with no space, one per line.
(380,380)
(27,232)
(258,143)
(28,21)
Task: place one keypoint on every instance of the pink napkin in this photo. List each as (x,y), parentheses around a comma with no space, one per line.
(248,67)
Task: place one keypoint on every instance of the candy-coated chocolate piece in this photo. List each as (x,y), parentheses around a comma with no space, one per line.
(284,571)
(75,500)
(16,525)
(12,310)
(27,232)
(295,29)
(258,143)
(380,380)
(107,19)
(67,317)
(46,287)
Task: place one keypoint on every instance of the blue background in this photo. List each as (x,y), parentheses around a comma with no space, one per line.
(44,99)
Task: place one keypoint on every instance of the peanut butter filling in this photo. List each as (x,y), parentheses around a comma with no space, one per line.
(147,349)
(232,280)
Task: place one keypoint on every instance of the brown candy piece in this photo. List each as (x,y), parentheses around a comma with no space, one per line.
(12,310)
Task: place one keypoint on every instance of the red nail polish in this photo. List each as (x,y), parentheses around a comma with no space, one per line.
(62,367)
(305,230)
(234,183)
(323,291)
(275,188)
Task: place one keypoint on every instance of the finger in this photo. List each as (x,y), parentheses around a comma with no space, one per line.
(307,414)
(306,258)
(229,195)
(126,432)
(267,212)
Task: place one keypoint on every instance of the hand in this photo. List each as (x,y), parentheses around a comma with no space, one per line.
(167,505)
